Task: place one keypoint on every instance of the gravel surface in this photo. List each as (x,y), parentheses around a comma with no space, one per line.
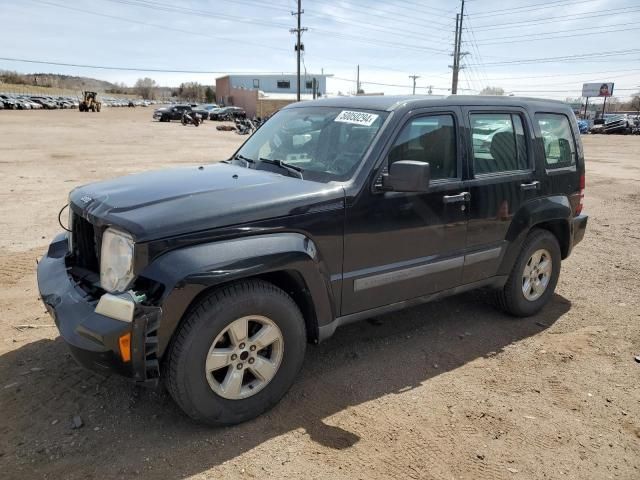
(453,389)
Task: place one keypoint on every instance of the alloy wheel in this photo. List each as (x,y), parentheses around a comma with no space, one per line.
(244,357)
(536,274)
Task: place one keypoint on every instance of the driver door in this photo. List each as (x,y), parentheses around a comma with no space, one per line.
(399,245)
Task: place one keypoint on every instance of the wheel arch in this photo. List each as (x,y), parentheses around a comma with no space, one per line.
(551,213)
(289,261)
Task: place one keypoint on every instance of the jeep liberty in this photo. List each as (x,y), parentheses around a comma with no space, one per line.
(212,279)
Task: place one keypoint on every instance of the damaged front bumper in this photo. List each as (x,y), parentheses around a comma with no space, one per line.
(95,339)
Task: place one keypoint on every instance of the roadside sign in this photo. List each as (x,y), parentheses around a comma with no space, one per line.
(603,89)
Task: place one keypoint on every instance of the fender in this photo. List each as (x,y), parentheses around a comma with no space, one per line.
(530,214)
(187,272)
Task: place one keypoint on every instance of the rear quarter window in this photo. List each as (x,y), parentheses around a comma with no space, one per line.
(557,137)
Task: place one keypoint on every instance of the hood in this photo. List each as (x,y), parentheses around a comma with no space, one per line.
(171,202)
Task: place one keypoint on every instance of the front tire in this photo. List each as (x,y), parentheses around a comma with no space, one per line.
(236,353)
(534,276)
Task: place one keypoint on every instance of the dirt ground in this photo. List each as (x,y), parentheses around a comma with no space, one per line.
(453,389)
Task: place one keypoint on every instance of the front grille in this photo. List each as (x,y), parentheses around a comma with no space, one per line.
(85,244)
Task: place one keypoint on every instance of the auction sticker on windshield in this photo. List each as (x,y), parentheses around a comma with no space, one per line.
(357,118)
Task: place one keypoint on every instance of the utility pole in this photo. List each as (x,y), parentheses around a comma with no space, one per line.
(299,46)
(357,79)
(457,53)
(414,82)
(454,77)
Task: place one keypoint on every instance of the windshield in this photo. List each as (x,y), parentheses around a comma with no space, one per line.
(325,143)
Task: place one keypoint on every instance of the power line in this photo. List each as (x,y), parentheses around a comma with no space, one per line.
(474,46)
(533,7)
(155,5)
(386,15)
(567,57)
(133,69)
(195,32)
(155,25)
(422,5)
(567,75)
(391,84)
(394,31)
(538,38)
(528,23)
(200,13)
(589,31)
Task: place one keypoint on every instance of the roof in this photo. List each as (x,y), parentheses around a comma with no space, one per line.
(394,102)
(284,96)
(274,75)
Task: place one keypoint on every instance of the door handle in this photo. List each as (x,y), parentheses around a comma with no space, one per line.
(461,197)
(530,186)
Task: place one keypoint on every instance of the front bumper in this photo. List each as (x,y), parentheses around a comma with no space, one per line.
(93,338)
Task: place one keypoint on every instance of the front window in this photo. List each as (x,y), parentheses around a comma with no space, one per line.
(326,143)
(430,139)
(284,84)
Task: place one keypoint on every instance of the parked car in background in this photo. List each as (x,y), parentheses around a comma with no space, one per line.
(8,102)
(200,110)
(209,107)
(227,113)
(613,123)
(166,114)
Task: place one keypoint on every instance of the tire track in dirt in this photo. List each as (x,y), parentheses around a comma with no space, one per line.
(15,266)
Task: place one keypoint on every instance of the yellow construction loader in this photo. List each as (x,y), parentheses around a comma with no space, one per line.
(90,102)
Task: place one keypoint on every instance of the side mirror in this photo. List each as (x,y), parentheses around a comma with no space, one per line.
(407,176)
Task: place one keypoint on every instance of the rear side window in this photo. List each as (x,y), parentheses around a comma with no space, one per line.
(430,139)
(499,144)
(559,146)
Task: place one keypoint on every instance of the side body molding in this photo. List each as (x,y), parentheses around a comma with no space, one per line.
(188,271)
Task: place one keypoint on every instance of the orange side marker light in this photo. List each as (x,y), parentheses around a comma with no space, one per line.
(125,347)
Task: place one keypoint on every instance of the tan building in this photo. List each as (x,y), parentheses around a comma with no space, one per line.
(262,95)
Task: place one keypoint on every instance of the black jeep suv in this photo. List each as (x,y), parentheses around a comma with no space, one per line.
(214,278)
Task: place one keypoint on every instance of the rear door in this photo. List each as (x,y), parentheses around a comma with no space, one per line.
(502,177)
(563,158)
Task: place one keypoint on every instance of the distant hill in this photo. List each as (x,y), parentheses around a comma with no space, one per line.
(57,81)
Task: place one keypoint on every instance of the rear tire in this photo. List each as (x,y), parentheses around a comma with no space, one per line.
(534,275)
(206,393)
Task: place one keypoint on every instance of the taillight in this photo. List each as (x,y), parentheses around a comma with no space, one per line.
(581,202)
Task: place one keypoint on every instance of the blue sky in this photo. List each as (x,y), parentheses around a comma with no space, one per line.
(528,47)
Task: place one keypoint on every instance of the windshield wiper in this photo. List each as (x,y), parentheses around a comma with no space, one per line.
(246,160)
(297,171)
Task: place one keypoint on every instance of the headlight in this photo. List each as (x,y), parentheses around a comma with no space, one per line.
(116,261)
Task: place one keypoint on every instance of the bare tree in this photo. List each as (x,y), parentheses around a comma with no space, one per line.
(635,103)
(145,87)
(492,91)
(191,91)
